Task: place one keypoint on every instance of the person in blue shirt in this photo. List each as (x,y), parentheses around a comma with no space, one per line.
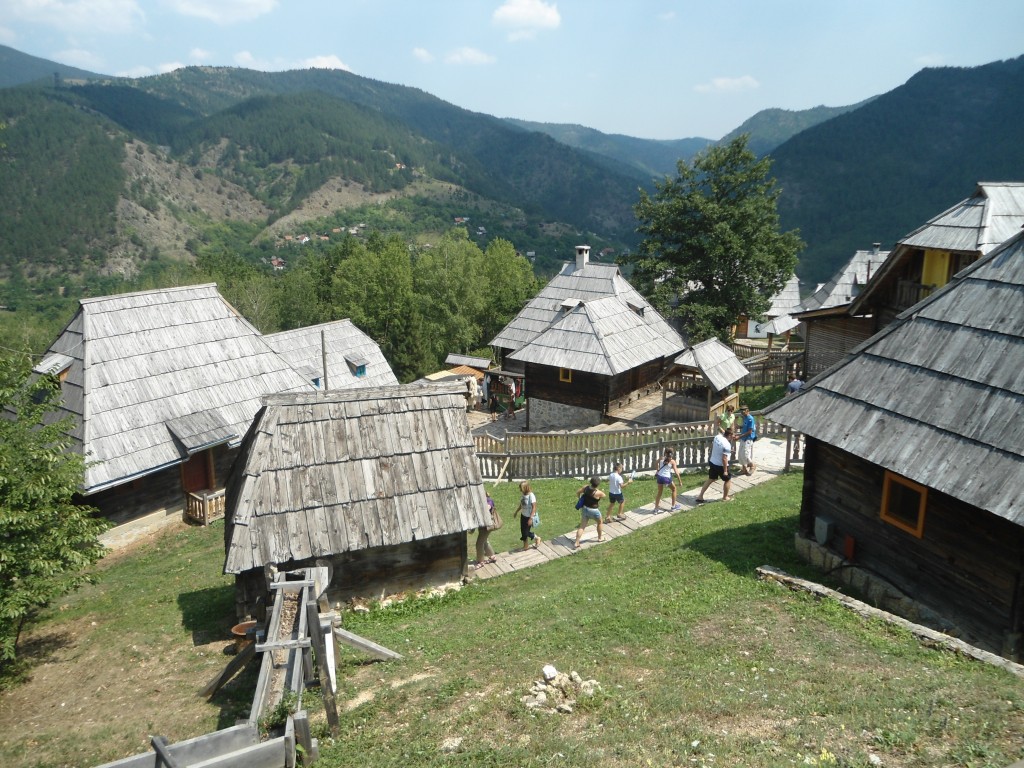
(746,438)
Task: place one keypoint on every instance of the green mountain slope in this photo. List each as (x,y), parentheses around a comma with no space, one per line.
(877,173)
(652,157)
(17,68)
(771,127)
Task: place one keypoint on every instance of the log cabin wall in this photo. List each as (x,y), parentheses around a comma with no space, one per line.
(966,566)
(369,573)
(158,494)
(586,390)
(829,339)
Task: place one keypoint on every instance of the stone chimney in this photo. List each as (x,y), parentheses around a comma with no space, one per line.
(582,256)
(875,247)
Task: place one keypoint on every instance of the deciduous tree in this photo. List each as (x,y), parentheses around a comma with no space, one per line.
(711,249)
(45,539)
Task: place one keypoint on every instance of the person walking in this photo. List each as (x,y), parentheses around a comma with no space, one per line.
(615,495)
(746,438)
(484,550)
(591,510)
(718,466)
(663,475)
(527,510)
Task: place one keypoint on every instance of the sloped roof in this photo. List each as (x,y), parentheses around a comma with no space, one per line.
(993,214)
(481,363)
(785,300)
(716,362)
(846,283)
(936,395)
(604,336)
(345,344)
(572,285)
(779,325)
(329,472)
(155,375)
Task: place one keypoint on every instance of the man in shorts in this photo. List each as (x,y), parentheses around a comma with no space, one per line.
(747,436)
(718,466)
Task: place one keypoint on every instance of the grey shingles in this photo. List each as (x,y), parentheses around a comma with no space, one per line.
(375,466)
(936,396)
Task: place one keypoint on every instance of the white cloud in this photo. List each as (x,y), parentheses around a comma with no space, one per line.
(169,66)
(325,62)
(79,16)
(666,16)
(7,36)
(139,71)
(223,11)
(76,57)
(470,56)
(199,56)
(930,60)
(423,55)
(525,18)
(728,85)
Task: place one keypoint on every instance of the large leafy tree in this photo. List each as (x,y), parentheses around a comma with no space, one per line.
(45,539)
(711,249)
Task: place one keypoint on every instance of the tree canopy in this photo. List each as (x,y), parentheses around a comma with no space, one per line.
(45,539)
(712,250)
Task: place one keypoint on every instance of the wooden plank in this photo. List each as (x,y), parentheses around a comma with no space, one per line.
(368,646)
(241,658)
(278,645)
(198,749)
(314,630)
(164,759)
(266,754)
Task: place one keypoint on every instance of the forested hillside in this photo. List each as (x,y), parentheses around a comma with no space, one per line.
(876,174)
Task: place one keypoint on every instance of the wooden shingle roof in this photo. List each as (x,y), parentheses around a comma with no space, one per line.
(937,395)
(716,362)
(331,472)
(846,283)
(604,336)
(345,344)
(156,375)
(573,285)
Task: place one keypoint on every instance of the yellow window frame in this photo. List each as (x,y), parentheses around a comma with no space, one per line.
(889,516)
(565,374)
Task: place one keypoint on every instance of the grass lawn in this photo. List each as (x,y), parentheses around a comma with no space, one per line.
(699,664)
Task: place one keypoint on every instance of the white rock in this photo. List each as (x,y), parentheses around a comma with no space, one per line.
(451,744)
(564,708)
(549,672)
(575,676)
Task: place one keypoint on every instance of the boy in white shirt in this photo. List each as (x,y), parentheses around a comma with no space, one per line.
(615,495)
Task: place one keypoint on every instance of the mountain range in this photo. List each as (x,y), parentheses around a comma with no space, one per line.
(109,175)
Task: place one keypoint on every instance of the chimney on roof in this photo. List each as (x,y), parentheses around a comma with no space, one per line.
(582,256)
(875,247)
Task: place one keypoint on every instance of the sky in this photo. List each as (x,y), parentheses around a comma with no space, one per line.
(655,69)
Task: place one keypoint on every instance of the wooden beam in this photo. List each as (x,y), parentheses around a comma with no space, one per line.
(247,652)
(315,631)
(368,646)
(163,756)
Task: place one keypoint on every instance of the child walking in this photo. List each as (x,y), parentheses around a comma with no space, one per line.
(664,477)
(615,495)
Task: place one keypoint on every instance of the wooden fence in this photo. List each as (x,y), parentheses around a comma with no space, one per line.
(584,454)
(770,369)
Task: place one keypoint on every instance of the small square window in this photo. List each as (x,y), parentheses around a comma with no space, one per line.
(565,374)
(904,503)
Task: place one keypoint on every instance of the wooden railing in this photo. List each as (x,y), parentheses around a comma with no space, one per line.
(584,454)
(204,507)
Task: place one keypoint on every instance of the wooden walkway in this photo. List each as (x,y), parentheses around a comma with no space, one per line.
(770,461)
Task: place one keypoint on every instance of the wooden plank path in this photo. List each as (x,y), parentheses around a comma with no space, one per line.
(770,455)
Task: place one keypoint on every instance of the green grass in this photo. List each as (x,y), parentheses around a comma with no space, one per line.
(700,664)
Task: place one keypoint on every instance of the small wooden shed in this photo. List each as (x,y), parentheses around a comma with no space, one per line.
(698,388)
(382,484)
(914,458)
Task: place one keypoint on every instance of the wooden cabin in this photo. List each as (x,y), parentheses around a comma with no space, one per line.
(162,386)
(698,388)
(380,484)
(784,302)
(587,342)
(599,354)
(923,261)
(914,459)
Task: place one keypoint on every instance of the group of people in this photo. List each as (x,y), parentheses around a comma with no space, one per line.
(733,430)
